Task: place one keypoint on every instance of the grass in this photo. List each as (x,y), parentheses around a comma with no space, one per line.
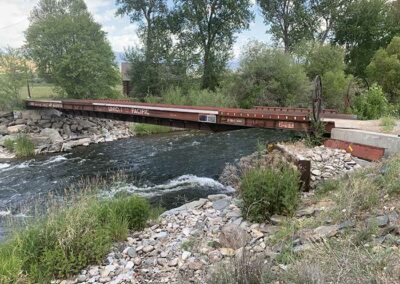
(148,129)
(70,237)
(22,146)
(387,123)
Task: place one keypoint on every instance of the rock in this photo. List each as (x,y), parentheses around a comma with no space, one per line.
(221,204)
(131,252)
(277,219)
(81,278)
(186,255)
(94,271)
(301,248)
(346,225)
(3,130)
(16,128)
(325,232)
(195,265)
(162,262)
(148,248)
(52,134)
(256,234)
(306,212)
(227,251)
(232,236)
(137,261)
(316,172)
(215,197)
(67,146)
(174,262)
(215,256)
(380,221)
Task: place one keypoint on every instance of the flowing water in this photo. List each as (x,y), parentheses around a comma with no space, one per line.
(169,169)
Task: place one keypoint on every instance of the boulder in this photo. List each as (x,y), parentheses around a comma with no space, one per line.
(3,130)
(16,128)
(233,236)
(67,146)
(31,115)
(52,134)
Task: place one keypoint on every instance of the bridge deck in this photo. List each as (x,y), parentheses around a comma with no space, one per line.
(210,118)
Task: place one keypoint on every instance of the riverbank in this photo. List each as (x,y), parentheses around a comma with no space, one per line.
(347,227)
(52,131)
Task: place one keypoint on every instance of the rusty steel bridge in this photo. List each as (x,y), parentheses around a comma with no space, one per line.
(193,117)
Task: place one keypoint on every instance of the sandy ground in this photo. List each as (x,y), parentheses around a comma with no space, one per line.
(368,125)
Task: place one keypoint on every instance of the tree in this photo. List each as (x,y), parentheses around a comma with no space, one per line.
(14,73)
(384,69)
(328,62)
(270,77)
(364,27)
(70,49)
(290,21)
(208,27)
(327,13)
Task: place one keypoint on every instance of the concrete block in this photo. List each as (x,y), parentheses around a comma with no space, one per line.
(391,143)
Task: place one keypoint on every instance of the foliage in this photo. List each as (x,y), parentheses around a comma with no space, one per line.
(70,238)
(385,69)
(388,123)
(208,28)
(328,62)
(147,129)
(269,77)
(290,21)
(14,73)
(364,27)
(22,146)
(71,50)
(372,104)
(194,97)
(269,191)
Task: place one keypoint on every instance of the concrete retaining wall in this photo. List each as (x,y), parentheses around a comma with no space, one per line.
(391,143)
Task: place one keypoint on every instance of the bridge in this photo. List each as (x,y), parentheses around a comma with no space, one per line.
(192,117)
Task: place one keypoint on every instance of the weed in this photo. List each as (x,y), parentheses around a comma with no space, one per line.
(22,146)
(269,191)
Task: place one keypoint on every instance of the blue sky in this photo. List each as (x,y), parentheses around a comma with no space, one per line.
(120,32)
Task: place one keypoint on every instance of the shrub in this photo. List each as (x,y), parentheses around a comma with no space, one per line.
(270,191)
(147,129)
(372,104)
(22,146)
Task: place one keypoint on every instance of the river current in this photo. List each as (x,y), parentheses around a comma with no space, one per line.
(170,169)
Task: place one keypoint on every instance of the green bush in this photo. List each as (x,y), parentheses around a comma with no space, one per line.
(22,146)
(388,123)
(372,104)
(269,191)
(68,239)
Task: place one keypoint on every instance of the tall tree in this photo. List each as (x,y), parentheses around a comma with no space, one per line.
(364,27)
(290,21)
(327,13)
(209,27)
(70,48)
(15,71)
(153,66)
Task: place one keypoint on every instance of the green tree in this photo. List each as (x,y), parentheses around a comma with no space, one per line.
(384,69)
(364,27)
(208,27)
(159,64)
(290,21)
(328,62)
(270,77)
(14,73)
(70,49)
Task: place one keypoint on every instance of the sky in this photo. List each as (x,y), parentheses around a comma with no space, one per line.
(120,32)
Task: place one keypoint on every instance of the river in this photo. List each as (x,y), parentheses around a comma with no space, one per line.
(169,169)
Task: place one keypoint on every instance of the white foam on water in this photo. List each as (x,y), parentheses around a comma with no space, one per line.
(4,165)
(55,159)
(173,185)
(5,213)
